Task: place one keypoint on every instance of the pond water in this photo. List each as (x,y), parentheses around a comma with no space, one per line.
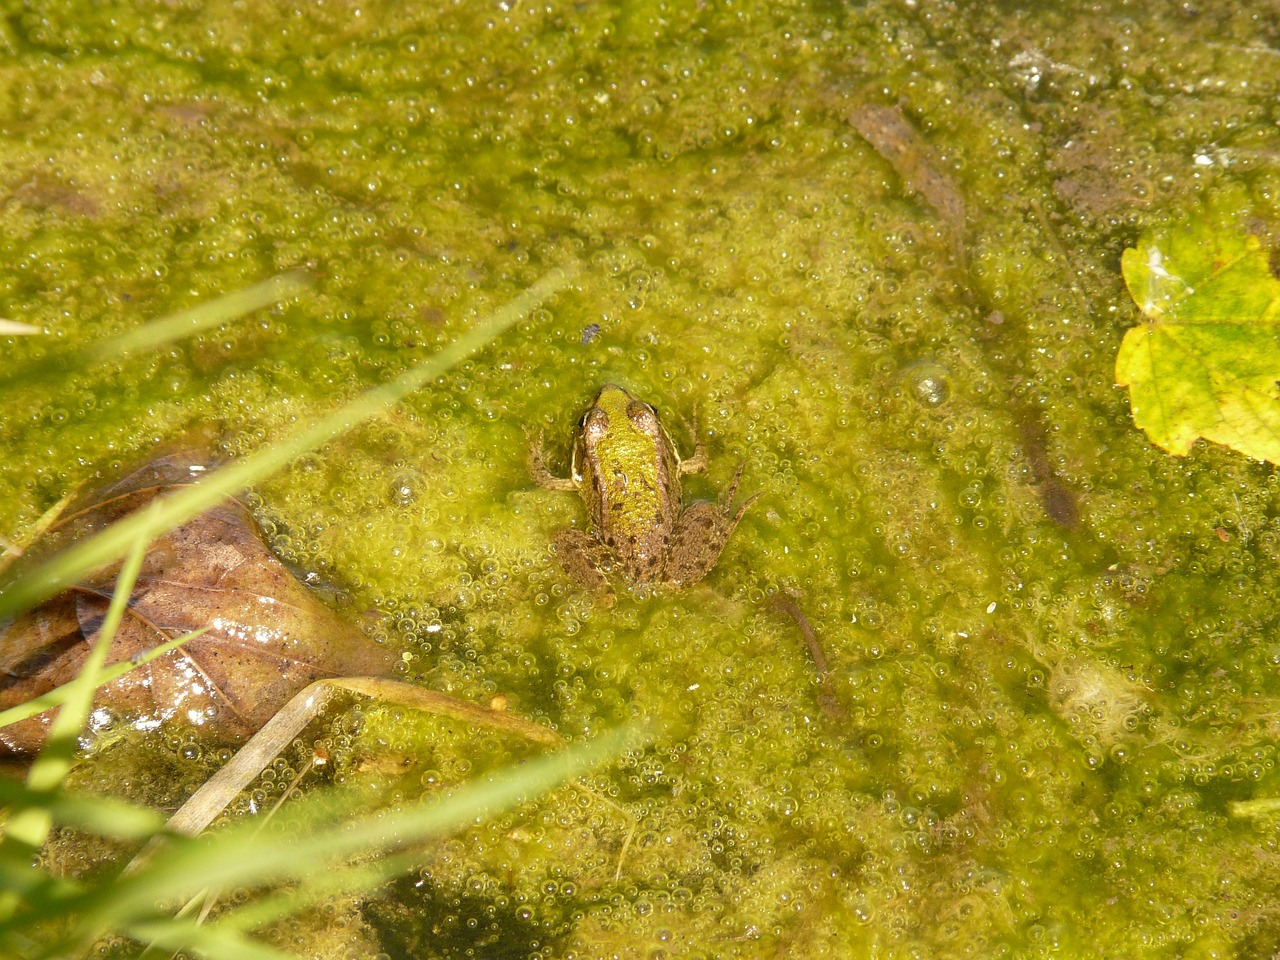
(870,252)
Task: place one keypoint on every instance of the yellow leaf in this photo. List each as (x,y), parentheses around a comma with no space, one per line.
(1205,361)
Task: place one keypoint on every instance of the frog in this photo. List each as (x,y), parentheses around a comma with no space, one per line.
(627,470)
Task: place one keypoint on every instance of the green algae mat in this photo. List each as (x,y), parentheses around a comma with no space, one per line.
(984,672)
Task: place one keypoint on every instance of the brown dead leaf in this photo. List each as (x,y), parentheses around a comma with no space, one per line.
(269,635)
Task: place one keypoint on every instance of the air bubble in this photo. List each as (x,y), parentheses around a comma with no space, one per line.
(405,488)
(928,383)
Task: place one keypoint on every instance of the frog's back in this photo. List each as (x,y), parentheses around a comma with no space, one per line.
(640,483)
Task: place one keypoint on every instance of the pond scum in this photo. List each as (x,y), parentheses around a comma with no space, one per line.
(873,252)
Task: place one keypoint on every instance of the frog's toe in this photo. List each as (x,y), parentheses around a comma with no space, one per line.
(742,510)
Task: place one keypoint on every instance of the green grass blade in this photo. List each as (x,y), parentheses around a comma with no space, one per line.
(104,816)
(348,880)
(203,806)
(185,323)
(35,530)
(164,330)
(176,508)
(58,695)
(26,830)
(53,763)
(212,941)
(243,856)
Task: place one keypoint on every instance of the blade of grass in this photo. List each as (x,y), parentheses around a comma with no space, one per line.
(241,857)
(36,530)
(104,816)
(35,887)
(244,856)
(250,760)
(58,695)
(168,328)
(26,830)
(214,941)
(12,328)
(54,762)
(177,508)
(184,323)
(350,880)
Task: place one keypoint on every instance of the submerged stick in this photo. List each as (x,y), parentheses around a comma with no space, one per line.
(219,790)
(826,699)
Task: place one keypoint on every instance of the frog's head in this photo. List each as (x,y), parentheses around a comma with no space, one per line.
(619,435)
(613,409)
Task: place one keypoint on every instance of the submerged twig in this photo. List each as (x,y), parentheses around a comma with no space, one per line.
(892,135)
(826,699)
(789,607)
(251,759)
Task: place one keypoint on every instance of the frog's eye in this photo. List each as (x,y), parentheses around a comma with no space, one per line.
(641,414)
(594,422)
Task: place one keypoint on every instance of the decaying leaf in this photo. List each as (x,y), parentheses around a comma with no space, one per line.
(1206,360)
(269,635)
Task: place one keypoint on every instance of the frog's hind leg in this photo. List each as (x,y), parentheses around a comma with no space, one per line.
(700,535)
(696,543)
(584,558)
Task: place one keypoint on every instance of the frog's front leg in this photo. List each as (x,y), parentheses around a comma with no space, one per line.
(583,557)
(538,468)
(700,534)
(697,461)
